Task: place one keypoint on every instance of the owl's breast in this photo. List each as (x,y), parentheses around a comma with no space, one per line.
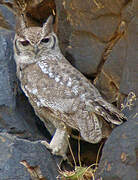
(48,88)
(45,92)
(56,82)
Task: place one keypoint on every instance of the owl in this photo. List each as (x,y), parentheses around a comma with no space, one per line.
(58,92)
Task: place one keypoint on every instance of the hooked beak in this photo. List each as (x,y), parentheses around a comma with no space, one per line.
(36,50)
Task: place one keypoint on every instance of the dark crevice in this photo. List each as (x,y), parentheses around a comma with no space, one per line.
(108,49)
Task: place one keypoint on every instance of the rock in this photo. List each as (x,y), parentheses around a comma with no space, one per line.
(129,81)
(119,72)
(84,29)
(8,15)
(7,70)
(87,29)
(112,6)
(85,51)
(64,28)
(21,121)
(108,81)
(39,11)
(120,152)
(14,150)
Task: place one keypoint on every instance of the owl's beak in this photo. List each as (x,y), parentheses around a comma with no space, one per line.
(36,50)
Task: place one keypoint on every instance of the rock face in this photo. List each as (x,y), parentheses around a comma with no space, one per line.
(100,39)
(129,81)
(7,71)
(14,150)
(119,159)
(82,53)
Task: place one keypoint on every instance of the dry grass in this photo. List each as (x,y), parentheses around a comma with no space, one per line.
(131,98)
(80,173)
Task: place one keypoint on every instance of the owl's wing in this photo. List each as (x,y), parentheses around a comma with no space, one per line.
(63,89)
(108,111)
(89,126)
(68,88)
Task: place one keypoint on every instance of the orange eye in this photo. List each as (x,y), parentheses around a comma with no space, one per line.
(45,40)
(25,43)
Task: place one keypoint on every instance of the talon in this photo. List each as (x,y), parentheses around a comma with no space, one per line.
(55,150)
(46,144)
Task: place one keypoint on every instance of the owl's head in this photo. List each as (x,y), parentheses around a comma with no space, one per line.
(33,42)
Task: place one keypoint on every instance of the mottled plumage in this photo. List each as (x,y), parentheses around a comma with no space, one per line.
(57,91)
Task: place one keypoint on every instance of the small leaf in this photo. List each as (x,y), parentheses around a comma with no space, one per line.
(75,175)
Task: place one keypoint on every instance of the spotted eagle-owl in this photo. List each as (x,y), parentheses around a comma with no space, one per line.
(57,91)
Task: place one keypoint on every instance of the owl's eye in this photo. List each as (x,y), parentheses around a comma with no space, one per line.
(45,40)
(25,43)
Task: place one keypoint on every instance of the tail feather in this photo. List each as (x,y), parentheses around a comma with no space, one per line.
(109,112)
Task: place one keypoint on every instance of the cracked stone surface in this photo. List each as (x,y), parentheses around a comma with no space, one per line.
(100,39)
(7,71)
(14,150)
(82,51)
(129,81)
(119,159)
(96,37)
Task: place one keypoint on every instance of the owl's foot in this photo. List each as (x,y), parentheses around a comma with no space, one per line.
(58,144)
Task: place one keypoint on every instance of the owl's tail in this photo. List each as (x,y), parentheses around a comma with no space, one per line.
(109,112)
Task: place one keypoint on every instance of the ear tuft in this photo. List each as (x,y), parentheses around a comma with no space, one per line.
(20,24)
(48,25)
